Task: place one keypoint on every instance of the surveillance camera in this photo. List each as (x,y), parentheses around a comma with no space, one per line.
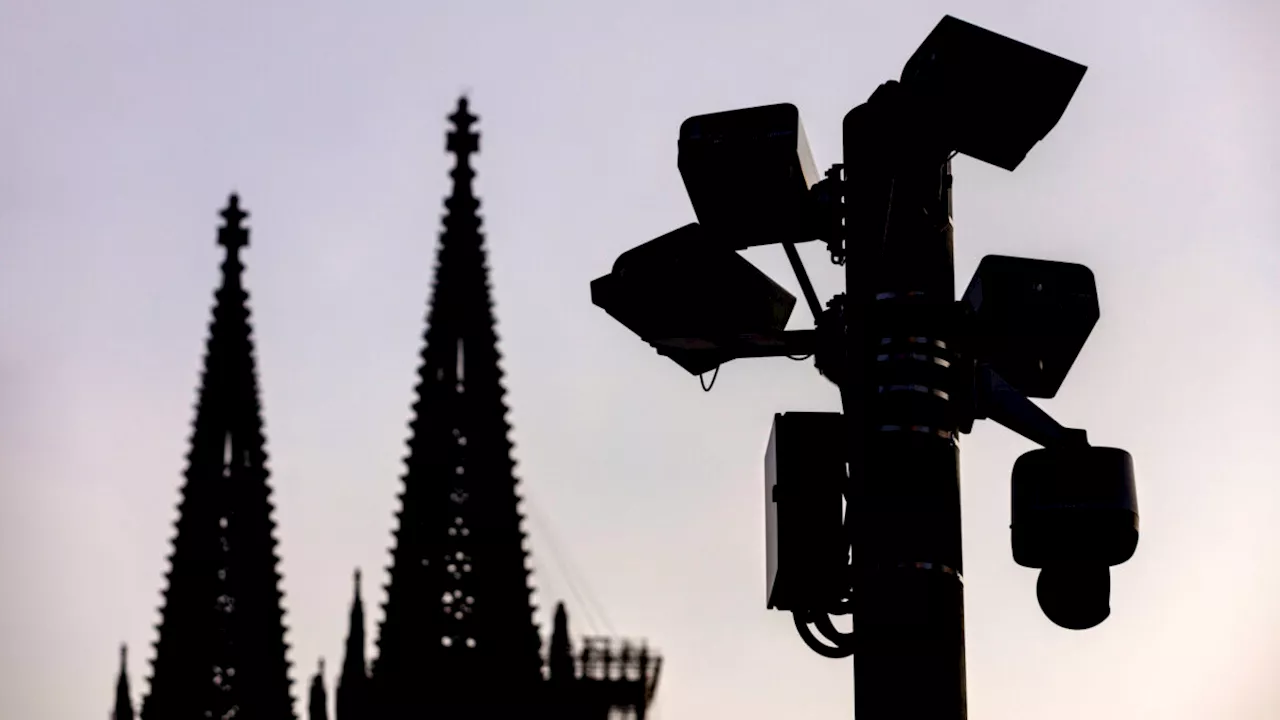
(1074,506)
(1075,597)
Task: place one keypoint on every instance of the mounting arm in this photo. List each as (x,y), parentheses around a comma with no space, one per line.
(998,400)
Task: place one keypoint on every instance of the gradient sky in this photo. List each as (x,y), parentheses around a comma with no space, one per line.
(125,124)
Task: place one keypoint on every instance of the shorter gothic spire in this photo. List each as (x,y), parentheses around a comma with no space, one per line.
(352,700)
(560,652)
(354,663)
(124,702)
(221,616)
(319,706)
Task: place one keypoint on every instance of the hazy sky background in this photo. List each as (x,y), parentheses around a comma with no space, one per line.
(124,125)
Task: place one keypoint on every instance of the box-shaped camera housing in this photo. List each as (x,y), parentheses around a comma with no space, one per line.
(997,97)
(807,551)
(1029,319)
(748,174)
(1074,507)
(686,285)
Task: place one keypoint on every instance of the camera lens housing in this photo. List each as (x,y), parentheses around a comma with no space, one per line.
(1075,514)
(1075,597)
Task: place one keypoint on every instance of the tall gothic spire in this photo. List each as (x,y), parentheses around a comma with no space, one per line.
(221,647)
(124,701)
(353,694)
(458,616)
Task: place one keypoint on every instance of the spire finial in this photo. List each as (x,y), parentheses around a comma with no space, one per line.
(357,582)
(124,656)
(320,671)
(463,140)
(234,235)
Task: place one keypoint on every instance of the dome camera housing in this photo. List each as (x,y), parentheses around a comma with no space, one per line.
(1075,598)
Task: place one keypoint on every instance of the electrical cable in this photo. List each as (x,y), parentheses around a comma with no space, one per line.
(568,570)
(714,375)
(841,643)
(828,651)
(826,628)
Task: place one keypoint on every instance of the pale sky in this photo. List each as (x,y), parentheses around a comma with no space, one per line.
(125,124)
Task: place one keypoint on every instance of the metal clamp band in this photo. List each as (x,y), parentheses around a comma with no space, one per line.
(920,357)
(944,434)
(915,341)
(892,295)
(915,388)
(937,567)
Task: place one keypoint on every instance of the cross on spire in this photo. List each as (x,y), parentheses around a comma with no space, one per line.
(234,235)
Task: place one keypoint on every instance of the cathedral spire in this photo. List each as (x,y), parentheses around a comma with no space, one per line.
(458,619)
(560,653)
(563,697)
(318,707)
(353,695)
(221,647)
(124,701)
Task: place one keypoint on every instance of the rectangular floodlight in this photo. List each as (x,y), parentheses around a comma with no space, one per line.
(1031,318)
(997,97)
(748,174)
(686,285)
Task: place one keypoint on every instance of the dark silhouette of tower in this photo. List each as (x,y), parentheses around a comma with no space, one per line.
(562,675)
(318,706)
(221,647)
(607,679)
(353,685)
(123,709)
(560,666)
(458,638)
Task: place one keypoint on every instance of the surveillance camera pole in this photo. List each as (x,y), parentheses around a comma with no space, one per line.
(902,377)
(914,366)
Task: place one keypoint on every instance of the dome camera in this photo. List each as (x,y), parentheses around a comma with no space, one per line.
(1075,598)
